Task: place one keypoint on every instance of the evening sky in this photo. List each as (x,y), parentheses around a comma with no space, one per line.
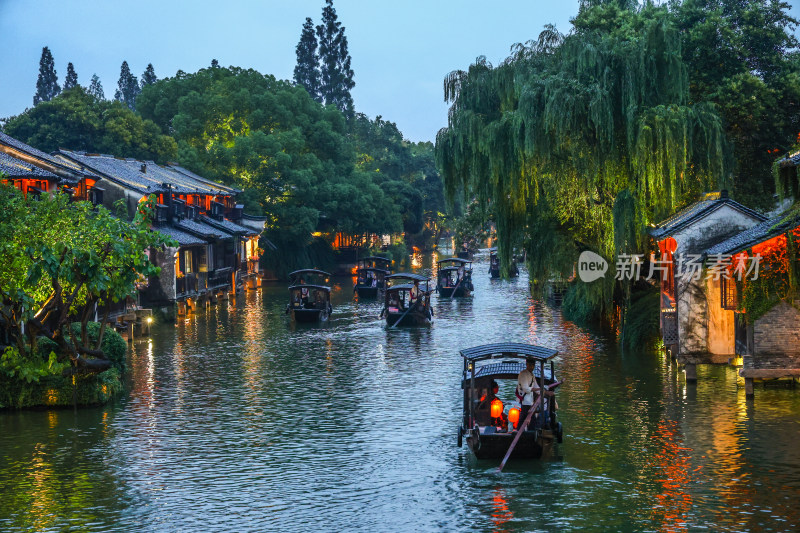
(401,50)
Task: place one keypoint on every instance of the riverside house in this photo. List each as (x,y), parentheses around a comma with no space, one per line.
(218,246)
(694,327)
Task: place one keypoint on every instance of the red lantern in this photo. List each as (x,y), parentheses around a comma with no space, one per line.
(513,416)
(497,408)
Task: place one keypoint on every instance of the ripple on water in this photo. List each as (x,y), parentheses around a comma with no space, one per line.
(238,420)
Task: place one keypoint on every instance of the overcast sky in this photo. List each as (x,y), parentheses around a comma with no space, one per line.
(401,50)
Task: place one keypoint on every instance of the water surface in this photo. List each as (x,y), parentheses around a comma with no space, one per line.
(236,420)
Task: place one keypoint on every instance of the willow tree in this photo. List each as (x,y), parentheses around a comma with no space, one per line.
(580,142)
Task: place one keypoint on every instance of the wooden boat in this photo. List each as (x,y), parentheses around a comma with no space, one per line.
(494,265)
(454,277)
(488,424)
(309,298)
(465,253)
(371,273)
(398,308)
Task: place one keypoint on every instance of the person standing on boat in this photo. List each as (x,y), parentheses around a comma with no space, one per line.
(527,388)
(414,293)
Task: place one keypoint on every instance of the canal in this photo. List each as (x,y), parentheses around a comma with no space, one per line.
(236,420)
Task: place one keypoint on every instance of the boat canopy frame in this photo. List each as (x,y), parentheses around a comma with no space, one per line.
(506,350)
(454,260)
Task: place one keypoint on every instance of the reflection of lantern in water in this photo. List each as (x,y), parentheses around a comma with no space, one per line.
(497,408)
(513,416)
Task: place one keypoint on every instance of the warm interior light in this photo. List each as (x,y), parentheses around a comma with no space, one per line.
(513,416)
(497,408)
(149,320)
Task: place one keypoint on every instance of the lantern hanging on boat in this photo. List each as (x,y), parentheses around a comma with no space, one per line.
(513,416)
(496,408)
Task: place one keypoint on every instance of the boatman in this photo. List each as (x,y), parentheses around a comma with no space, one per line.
(527,388)
(414,293)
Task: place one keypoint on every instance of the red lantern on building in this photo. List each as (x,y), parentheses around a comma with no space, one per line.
(496,408)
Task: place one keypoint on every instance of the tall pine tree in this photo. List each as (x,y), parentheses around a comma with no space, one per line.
(72,77)
(96,88)
(306,72)
(149,76)
(127,87)
(47,86)
(335,72)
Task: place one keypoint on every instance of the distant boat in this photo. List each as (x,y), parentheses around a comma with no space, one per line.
(371,273)
(454,277)
(494,265)
(399,310)
(488,424)
(309,298)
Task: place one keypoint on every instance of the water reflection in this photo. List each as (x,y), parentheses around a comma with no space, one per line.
(237,420)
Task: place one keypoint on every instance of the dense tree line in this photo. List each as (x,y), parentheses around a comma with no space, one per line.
(580,141)
(302,164)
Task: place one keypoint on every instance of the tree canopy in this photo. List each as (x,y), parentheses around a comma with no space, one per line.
(306,71)
(127,87)
(293,157)
(62,258)
(582,141)
(79,121)
(336,74)
(47,86)
(71,79)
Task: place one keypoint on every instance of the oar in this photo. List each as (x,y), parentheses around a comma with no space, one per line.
(457,284)
(520,431)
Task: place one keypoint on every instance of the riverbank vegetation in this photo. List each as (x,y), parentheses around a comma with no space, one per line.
(63,264)
(580,141)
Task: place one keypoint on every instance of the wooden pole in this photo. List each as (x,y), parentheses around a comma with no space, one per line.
(520,431)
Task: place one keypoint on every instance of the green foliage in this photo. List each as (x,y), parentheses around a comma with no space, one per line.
(72,77)
(114,346)
(61,258)
(293,156)
(59,391)
(127,87)
(81,121)
(29,369)
(95,89)
(47,86)
(742,56)
(149,76)
(640,329)
(306,71)
(318,254)
(552,136)
(336,75)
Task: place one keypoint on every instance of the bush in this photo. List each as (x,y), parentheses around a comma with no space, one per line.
(114,346)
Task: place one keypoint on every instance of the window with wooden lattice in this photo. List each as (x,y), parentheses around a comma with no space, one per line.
(728,292)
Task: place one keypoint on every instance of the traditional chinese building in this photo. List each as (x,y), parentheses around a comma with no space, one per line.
(217,245)
(35,172)
(766,329)
(694,327)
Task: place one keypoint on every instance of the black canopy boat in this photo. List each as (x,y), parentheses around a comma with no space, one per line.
(489,425)
(399,309)
(371,273)
(454,277)
(494,265)
(309,298)
(465,253)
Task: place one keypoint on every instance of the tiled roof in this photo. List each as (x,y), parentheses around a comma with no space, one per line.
(228,226)
(686,216)
(17,168)
(201,230)
(752,236)
(189,173)
(147,176)
(183,238)
(71,173)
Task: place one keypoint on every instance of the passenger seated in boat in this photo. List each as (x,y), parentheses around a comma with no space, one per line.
(319,300)
(483,412)
(414,293)
(394,304)
(303,292)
